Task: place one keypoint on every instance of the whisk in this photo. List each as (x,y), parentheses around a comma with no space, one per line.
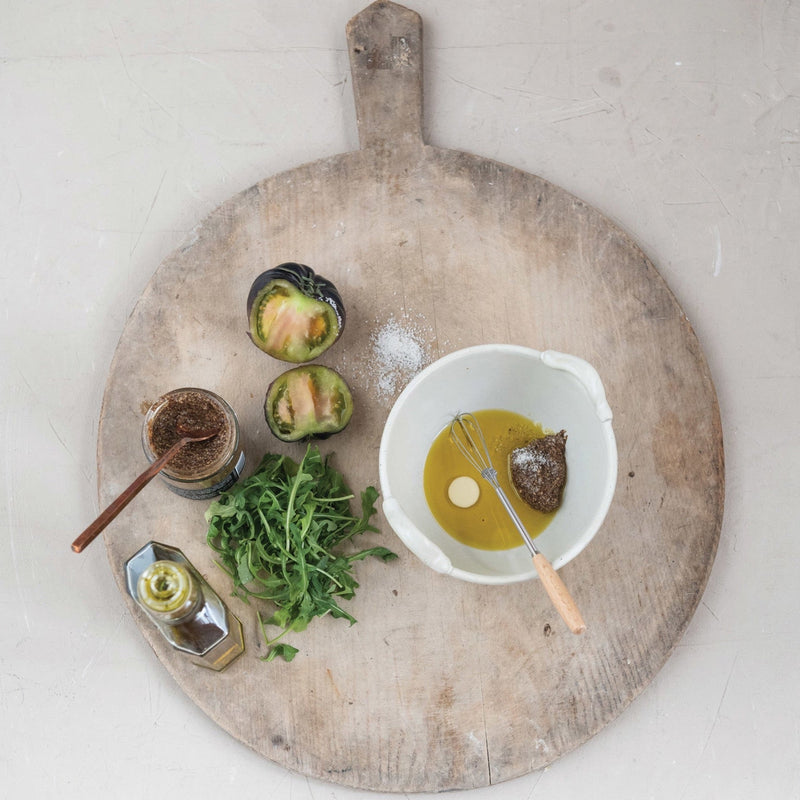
(468,437)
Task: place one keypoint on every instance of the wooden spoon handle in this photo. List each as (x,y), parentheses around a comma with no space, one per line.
(559,594)
(117,505)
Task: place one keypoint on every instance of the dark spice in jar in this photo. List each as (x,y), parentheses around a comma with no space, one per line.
(195,411)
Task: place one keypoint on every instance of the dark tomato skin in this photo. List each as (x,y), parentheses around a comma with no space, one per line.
(306,289)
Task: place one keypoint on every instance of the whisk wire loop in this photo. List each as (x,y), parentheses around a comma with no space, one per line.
(468,437)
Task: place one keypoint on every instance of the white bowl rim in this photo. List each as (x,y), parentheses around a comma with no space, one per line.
(419,544)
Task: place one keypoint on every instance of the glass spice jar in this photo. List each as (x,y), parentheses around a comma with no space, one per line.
(200,470)
(186,610)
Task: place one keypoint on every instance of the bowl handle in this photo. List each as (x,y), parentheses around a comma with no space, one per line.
(586,374)
(421,546)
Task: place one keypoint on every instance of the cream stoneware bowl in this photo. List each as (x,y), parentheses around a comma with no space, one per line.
(558,391)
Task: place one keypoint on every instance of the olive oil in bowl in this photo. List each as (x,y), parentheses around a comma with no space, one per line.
(484,524)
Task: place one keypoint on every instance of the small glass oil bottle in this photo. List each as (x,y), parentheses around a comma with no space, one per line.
(188,612)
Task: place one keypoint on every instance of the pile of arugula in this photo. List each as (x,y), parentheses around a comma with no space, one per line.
(275,535)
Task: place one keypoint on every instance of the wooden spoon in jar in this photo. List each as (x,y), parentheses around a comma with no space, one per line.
(188,435)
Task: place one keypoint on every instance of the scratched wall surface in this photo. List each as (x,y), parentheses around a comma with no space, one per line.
(124,125)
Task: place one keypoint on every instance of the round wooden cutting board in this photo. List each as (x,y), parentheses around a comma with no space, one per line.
(441,684)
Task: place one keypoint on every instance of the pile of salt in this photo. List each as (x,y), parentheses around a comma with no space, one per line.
(398,354)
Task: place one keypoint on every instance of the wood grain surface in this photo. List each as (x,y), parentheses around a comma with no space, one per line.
(441,684)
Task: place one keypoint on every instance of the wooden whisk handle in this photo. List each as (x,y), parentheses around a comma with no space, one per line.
(559,594)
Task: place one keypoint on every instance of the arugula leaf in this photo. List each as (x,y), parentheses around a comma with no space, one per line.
(275,534)
(285,651)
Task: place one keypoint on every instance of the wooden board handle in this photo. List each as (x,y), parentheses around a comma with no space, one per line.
(385,43)
(559,594)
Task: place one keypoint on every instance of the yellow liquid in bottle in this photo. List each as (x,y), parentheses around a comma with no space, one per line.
(486,524)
